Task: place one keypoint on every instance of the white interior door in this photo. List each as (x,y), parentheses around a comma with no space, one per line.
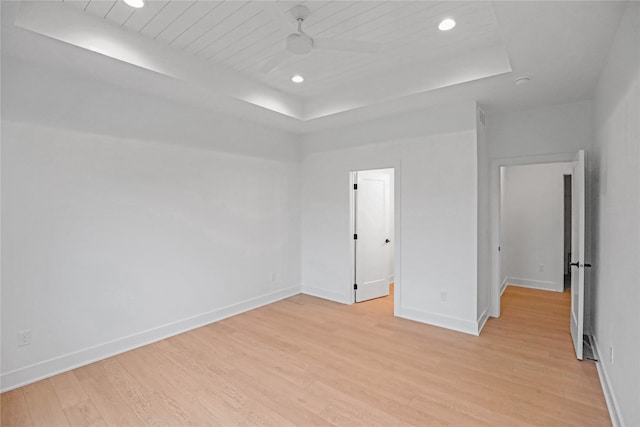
(577,252)
(372,227)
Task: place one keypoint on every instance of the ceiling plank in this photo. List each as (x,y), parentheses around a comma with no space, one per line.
(143,16)
(166,17)
(247,28)
(241,44)
(185,21)
(100,8)
(120,13)
(232,22)
(78,4)
(207,22)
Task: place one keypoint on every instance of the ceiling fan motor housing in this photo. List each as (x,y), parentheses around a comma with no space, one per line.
(299,44)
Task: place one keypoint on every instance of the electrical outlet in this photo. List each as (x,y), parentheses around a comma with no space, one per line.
(541,268)
(611,355)
(24,338)
(443,296)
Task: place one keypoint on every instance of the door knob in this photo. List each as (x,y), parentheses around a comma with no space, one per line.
(575,264)
(387,241)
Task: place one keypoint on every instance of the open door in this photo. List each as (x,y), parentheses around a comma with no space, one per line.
(577,252)
(372,228)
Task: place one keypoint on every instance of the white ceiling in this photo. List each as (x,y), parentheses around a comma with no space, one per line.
(242,35)
(219,46)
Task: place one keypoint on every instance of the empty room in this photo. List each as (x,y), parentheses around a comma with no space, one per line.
(319,213)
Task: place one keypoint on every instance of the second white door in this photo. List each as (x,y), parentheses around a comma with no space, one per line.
(373,229)
(577,252)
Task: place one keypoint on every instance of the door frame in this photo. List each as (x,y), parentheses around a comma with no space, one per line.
(397,270)
(494,209)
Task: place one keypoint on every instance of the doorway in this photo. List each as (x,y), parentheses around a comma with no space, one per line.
(532,226)
(373,225)
(577,164)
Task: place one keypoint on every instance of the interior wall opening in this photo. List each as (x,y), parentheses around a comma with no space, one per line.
(535,232)
(527,193)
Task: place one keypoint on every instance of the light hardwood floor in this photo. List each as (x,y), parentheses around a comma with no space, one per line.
(304,361)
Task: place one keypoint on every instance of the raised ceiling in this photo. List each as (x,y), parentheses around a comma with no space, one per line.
(210,53)
(243,35)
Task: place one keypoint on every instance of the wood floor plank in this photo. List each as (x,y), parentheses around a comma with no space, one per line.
(305,361)
(223,399)
(43,404)
(344,409)
(147,402)
(293,403)
(76,404)
(105,396)
(163,378)
(14,409)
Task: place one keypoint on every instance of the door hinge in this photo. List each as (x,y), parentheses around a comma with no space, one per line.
(355,186)
(355,237)
(355,286)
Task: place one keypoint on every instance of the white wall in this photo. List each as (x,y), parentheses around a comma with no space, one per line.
(110,242)
(34,93)
(436,213)
(616,264)
(562,128)
(430,121)
(532,225)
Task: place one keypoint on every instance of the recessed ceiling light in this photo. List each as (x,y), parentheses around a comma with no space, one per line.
(446,24)
(297,78)
(522,80)
(135,3)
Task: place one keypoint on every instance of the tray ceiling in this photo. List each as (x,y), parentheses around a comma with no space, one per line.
(210,53)
(243,35)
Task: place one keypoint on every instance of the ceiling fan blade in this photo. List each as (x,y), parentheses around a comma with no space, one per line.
(273,62)
(347,45)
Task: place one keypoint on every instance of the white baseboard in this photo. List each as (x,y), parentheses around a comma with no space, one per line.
(503,286)
(534,284)
(324,294)
(41,370)
(442,321)
(607,390)
(482,320)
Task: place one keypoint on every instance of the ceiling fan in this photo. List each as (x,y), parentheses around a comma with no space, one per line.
(301,43)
